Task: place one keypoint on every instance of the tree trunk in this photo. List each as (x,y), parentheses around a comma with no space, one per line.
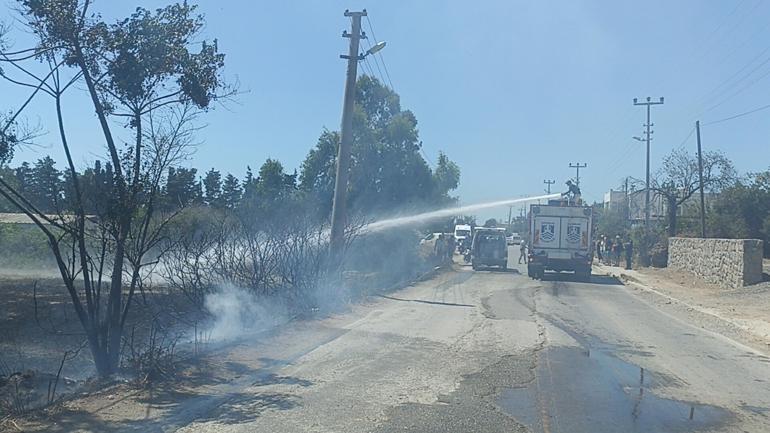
(671,211)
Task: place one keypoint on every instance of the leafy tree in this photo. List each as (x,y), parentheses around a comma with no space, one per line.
(182,188)
(212,188)
(97,189)
(249,187)
(317,173)
(491,223)
(23,174)
(742,210)
(611,222)
(446,176)
(231,192)
(45,190)
(387,170)
(138,69)
(273,183)
(270,192)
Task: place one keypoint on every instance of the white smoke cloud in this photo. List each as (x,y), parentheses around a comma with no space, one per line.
(236,312)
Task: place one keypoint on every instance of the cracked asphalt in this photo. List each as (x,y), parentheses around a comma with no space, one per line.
(493,351)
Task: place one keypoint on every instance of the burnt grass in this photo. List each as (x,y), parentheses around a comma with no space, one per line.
(38,327)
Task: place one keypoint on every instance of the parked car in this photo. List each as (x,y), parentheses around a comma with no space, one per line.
(513,239)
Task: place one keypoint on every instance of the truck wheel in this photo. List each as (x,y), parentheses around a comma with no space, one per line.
(504,266)
(474,266)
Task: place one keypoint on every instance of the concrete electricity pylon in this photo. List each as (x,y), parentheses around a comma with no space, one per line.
(339,205)
(647,139)
(549,183)
(577,166)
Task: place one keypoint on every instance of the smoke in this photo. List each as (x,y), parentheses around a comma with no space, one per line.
(375,262)
(236,313)
(448,212)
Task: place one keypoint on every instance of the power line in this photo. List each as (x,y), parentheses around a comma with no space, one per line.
(384,65)
(746,113)
(738,92)
(377,64)
(681,145)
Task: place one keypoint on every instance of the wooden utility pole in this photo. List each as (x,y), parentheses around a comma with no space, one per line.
(339,205)
(700,181)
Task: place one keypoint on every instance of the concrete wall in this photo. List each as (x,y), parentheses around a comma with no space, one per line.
(728,263)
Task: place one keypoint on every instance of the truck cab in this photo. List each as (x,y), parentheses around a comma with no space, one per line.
(560,239)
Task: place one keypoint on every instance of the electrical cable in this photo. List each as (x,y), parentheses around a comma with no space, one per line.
(384,65)
(746,113)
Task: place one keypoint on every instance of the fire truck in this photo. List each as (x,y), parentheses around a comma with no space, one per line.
(560,239)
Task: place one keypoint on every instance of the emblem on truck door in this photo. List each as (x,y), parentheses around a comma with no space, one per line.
(547,231)
(573,233)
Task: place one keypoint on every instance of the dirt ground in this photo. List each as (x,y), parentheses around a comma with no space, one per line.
(39,328)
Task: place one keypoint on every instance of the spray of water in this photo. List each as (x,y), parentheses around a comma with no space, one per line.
(448,212)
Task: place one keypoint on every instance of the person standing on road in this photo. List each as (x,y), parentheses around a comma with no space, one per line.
(608,251)
(450,248)
(617,246)
(523,251)
(599,249)
(629,250)
(438,248)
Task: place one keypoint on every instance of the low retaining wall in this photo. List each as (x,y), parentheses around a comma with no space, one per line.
(729,263)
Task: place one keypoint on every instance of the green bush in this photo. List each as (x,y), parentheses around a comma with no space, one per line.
(23,245)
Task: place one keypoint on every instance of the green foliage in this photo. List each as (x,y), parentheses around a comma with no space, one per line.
(231,192)
(610,222)
(388,172)
(182,188)
(24,247)
(743,210)
(212,188)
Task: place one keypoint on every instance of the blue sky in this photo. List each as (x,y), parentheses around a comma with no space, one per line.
(513,91)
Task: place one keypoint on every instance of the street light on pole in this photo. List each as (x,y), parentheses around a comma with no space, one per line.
(339,204)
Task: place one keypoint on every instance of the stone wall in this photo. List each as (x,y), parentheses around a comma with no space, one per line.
(729,263)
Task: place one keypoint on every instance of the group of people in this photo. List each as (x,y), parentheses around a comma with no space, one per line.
(610,251)
(444,248)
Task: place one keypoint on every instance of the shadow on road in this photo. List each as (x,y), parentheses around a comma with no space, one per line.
(605,280)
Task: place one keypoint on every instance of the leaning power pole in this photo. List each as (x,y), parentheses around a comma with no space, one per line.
(647,139)
(339,205)
(577,166)
(549,183)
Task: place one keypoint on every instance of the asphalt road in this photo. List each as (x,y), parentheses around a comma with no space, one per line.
(494,351)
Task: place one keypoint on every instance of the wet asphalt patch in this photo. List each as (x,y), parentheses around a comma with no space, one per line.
(579,390)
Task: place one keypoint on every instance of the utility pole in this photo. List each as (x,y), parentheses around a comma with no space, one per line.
(628,203)
(648,138)
(549,183)
(577,166)
(510,211)
(339,205)
(700,180)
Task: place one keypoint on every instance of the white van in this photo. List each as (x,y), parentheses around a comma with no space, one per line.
(462,231)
